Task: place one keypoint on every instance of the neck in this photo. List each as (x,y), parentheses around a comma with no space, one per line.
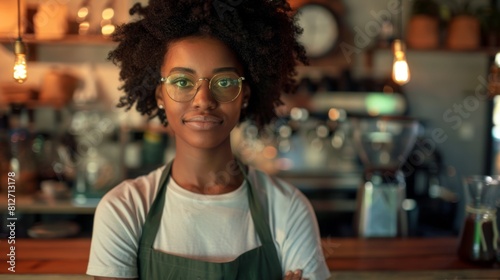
(212,171)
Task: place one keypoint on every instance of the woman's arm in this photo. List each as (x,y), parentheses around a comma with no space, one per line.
(302,245)
(113,251)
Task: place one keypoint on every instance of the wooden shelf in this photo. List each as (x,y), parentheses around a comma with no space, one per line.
(66,40)
(482,50)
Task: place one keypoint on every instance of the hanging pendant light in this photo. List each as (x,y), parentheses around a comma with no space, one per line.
(400,69)
(20,68)
(83,18)
(108,14)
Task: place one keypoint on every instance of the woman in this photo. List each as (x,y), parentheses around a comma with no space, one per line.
(202,67)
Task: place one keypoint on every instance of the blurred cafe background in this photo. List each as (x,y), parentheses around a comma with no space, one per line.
(351,127)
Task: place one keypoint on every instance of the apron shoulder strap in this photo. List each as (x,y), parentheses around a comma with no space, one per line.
(258,214)
(153,218)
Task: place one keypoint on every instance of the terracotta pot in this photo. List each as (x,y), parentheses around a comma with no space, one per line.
(464,33)
(57,88)
(51,20)
(423,32)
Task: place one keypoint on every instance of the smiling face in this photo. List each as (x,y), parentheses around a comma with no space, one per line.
(202,122)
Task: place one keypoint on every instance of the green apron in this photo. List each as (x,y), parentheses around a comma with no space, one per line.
(261,263)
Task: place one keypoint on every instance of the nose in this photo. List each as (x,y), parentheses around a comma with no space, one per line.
(203,98)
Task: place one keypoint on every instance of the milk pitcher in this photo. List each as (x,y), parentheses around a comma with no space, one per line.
(479,240)
(379,210)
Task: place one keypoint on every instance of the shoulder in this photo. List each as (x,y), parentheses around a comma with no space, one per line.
(292,223)
(277,192)
(133,194)
(272,184)
(118,222)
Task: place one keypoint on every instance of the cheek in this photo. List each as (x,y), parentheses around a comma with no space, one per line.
(173,109)
(234,114)
(172,113)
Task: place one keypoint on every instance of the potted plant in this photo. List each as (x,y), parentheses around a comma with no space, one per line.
(423,27)
(464,29)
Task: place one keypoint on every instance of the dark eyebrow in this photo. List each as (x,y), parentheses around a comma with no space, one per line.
(182,69)
(215,71)
(225,69)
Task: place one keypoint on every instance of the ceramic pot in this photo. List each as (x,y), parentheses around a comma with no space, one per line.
(57,88)
(464,33)
(423,32)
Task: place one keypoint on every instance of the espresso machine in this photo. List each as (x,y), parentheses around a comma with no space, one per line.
(383,145)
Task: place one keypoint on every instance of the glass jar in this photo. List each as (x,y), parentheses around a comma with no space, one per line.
(479,240)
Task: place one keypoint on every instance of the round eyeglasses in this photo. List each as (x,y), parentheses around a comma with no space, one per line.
(224,87)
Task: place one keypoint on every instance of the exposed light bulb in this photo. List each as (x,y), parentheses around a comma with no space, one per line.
(400,69)
(83,21)
(107,26)
(20,70)
(83,18)
(82,13)
(108,13)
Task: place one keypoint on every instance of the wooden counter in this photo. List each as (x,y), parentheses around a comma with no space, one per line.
(347,258)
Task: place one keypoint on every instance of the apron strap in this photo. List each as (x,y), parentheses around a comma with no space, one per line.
(272,263)
(258,215)
(153,218)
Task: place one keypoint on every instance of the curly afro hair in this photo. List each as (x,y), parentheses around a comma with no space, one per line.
(262,33)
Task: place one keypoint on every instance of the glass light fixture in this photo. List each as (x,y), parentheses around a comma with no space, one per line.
(20,70)
(20,73)
(400,69)
(83,18)
(107,26)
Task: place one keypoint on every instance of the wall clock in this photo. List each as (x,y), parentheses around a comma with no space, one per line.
(321,29)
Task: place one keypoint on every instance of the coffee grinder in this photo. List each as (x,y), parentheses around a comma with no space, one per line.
(383,145)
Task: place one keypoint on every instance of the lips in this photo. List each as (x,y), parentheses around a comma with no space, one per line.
(203,122)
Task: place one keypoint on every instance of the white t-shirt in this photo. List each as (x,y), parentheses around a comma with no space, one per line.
(215,228)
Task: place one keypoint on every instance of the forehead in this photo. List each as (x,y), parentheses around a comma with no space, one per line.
(201,54)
